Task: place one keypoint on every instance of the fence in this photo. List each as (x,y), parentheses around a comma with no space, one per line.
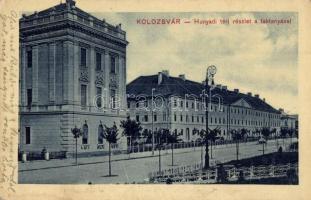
(194,174)
(148,147)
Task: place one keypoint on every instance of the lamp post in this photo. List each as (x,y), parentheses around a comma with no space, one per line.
(153,89)
(76,134)
(211,71)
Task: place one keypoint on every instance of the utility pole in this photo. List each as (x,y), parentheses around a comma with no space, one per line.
(211,71)
(152,120)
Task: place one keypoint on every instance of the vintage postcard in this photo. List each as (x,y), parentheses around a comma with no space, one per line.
(192,99)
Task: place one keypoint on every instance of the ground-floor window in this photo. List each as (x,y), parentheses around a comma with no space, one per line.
(27,135)
(100,134)
(85,130)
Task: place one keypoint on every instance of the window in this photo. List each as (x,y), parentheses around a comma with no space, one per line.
(186,118)
(187,104)
(27,139)
(99,99)
(202,119)
(146,118)
(198,119)
(98,61)
(211,120)
(175,117)
(181,118)
(85,134)
(192,105)
(128,104)
(29,97)
(181,103)
(83,57)
(219,120)
(223,121)
(112,64)
(215,120)
(113,98)
(192,118)
(83,95)
(155,118)
(100,134)
(137,118)
(29,59)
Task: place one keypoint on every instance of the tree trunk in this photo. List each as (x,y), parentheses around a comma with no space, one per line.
(237,150)
(211,150)
(159,159)
(172,147)
(206,156)
(76,151)
(109,159)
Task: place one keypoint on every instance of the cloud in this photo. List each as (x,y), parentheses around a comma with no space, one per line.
(259,58)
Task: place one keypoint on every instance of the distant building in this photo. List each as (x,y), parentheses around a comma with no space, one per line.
(289,121)
(67,58)
(179,107)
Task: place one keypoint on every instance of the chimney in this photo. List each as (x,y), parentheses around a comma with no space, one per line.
(218,86)
(166,73)
(160,77)
(182,76)
(264,99)
(236,90)
(257,95)
(249,94)
(224,87)
(281,110)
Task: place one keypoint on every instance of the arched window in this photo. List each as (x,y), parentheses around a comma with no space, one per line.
(100,134)
(85,134)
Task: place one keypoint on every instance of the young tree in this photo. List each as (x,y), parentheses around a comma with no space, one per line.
(131,129)
(172,138)
(213,135)
(265,132)
(110,134)
(236,136)
(205,138)
(284,132)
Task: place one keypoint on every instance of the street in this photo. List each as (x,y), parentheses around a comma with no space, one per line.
(95,169)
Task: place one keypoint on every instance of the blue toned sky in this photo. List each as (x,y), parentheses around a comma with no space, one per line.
(255,58)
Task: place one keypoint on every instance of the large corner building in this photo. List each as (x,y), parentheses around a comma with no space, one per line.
(67,58)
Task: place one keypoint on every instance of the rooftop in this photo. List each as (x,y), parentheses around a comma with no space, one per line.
(69,11)
(166,85)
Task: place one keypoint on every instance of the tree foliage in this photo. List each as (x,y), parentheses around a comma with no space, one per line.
(110,134)
(131,128)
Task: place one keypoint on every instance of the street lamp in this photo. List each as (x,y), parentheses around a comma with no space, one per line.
(76,134)
(211,71)
(153,89)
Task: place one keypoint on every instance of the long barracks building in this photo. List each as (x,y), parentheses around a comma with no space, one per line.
(179,106)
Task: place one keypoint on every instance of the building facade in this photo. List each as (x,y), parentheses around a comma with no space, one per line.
(72,74)
(179,105)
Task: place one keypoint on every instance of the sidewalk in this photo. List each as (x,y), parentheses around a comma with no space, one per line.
(59,163)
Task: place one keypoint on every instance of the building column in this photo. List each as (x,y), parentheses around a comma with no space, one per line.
(92,78)
(76,74)
(68,72)
(52,54)
(23,66)
(107,78)
(35,78)
(122,82)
